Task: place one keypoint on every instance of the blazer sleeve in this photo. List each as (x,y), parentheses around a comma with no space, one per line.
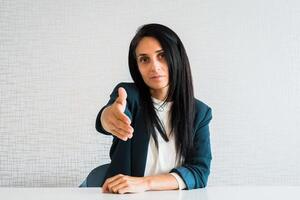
(113,97)
(196,168)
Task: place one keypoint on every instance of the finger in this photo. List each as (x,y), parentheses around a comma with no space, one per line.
(120,187)
(107,181)
(119,124)
(104,188)
(113,186)
(122,95)
(120,131)
(118,135)
(120,115)
(123,190)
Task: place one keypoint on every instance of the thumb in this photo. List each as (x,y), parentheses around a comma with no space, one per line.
(122,95)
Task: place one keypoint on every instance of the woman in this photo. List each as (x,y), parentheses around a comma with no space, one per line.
(160,131)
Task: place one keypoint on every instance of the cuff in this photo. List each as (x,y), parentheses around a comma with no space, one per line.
(180,182)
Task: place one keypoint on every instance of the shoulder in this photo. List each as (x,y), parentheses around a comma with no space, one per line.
(203,113)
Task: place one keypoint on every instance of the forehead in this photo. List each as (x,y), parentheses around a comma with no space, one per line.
(148,45)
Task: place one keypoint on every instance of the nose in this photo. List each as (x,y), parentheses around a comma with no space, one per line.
(156,65)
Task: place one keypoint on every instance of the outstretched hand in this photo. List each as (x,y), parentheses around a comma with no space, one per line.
(114,120)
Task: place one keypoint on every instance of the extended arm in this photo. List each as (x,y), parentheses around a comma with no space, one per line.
(112,119)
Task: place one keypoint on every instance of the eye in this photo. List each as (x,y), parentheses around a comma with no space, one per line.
(161,55)
(143,59)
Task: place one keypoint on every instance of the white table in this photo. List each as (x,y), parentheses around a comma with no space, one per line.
(209,193)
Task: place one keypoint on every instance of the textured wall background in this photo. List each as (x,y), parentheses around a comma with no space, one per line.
(59,61)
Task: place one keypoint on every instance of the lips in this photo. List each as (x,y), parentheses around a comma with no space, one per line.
(156,76)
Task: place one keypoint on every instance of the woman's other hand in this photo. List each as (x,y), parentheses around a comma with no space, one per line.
(125,184)
(114,120)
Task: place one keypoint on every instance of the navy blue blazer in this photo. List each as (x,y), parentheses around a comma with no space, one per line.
(129,157)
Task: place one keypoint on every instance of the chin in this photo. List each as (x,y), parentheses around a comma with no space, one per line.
(158,86)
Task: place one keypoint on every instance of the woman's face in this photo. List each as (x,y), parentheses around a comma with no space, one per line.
(153,66)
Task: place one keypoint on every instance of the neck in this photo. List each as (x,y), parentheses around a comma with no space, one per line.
(160,94)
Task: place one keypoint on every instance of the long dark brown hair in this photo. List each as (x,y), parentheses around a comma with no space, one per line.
(180,91)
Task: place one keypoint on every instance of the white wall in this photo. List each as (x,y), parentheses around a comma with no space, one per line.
(59,61)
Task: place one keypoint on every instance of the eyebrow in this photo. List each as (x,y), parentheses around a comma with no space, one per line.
(144,54)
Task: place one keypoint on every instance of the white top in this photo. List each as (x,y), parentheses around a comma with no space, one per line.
(163,160)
